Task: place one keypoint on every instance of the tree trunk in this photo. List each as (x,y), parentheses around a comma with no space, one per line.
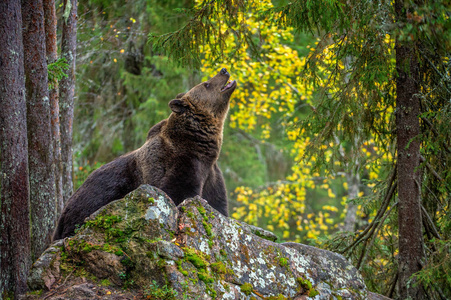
(66,90)
(353,180)
(14,214)
(52,55)
(40,147)
(408,128)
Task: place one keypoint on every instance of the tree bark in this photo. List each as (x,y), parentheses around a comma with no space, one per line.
(52,55)
(14,196)
(66,92)
(408,129)
(40,147)
(353,180)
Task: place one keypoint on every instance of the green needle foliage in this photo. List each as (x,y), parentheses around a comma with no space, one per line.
(56,71)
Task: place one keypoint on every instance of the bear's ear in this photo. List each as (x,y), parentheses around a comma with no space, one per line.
(178,105)
(179,96)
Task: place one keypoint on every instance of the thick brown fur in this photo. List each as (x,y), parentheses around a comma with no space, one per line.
(179,156)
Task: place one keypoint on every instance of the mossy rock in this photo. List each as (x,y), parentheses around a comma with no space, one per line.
(191,251)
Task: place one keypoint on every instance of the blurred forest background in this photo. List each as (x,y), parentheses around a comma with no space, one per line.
(124,86)
(312,145)
(309,145)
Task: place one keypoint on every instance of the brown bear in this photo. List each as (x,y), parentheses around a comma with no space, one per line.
(179,156)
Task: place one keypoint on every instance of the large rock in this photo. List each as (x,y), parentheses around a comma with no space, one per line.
(154,250)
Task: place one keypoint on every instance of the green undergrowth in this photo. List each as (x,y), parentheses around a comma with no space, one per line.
(156,292)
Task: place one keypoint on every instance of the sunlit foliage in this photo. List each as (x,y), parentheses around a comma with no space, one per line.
(272,93)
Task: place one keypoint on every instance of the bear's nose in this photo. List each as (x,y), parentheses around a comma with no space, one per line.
(224,71)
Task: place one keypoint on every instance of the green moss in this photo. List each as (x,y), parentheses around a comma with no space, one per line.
(190,214)
(306,285)
(278,297)
(179,267)
(112,249)
(83,246)
(151,200)
(203,275)
(207,227)
(88,247)
(103,221)
(184,273)
(151,241)
(105,282)
(37,293)
(195,257)
(219,267)
(201,210)
(230,271)
(212,292)
(194,280)
(223,252)
(247,288)
(107,224)
(283,261)
(161,263)
(313,292)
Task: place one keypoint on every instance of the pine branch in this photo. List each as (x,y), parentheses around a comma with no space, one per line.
(365,250)
(392,286)
(435,132)
(365,234)
(429,222)
(428,165)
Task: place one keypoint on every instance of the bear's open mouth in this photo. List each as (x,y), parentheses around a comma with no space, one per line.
(228,85)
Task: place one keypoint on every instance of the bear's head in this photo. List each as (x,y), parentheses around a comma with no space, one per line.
(209,98)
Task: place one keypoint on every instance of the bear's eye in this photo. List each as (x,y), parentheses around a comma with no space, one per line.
(207,85)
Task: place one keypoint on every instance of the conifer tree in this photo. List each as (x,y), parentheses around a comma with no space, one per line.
(67,93)
(40,146)
(14,213)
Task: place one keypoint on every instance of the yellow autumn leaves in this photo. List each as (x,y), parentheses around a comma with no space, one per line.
(270,87)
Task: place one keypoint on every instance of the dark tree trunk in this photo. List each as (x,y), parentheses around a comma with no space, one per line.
(14,214)
(52,56)
(408,129)
(66,90)
(40,148)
